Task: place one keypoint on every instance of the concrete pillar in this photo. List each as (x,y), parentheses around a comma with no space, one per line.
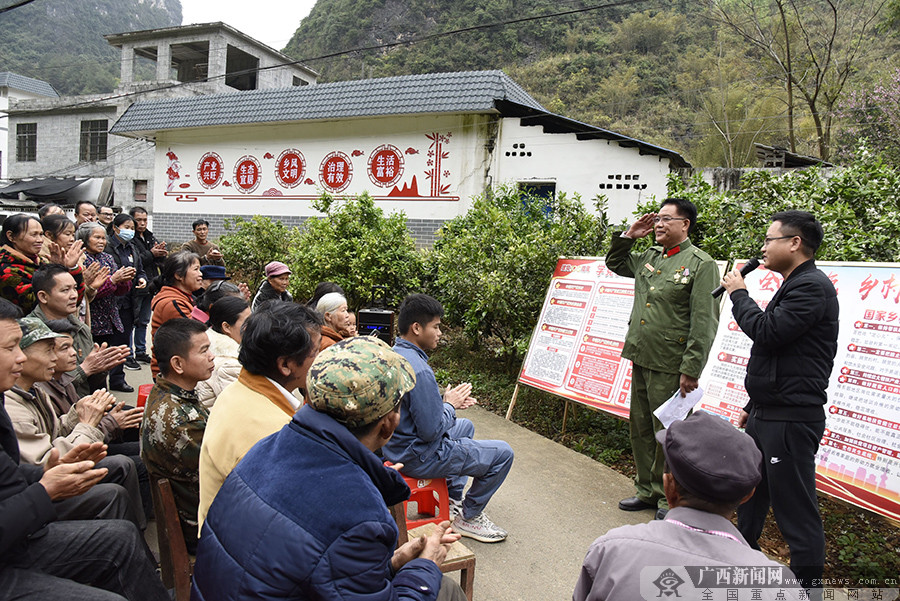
(127,74)
(163,62)
(218,59)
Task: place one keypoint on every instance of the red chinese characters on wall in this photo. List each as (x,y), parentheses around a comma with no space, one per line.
(210,170)
(385,165)
(246,174)
(335,172)
(290,168)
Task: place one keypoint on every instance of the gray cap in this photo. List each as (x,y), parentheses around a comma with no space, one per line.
(710,458)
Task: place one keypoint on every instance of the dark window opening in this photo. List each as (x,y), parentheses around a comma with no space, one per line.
(93,140)
(140,190)
(241,69)
(26,142)
(190,61)
(539,189)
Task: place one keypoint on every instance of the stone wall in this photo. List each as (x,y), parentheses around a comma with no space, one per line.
(175,228)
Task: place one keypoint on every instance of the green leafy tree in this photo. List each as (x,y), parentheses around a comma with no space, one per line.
(857,205)
(251,243)
(491,266)
(358,247)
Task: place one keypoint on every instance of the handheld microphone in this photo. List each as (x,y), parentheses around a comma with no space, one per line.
(747,268)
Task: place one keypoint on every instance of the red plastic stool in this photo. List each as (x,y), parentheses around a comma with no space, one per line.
(431,498)
(143,393)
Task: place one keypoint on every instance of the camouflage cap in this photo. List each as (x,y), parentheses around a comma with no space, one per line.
(357,381)
(33,329)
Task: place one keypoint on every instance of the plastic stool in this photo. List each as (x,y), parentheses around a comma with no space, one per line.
(143,393)
(431,498)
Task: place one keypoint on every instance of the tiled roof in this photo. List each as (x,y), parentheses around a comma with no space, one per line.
(26,84)
(463,92)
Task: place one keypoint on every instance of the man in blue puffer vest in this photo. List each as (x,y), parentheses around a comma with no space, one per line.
(305,514)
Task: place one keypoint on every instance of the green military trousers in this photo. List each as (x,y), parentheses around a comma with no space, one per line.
(649,390)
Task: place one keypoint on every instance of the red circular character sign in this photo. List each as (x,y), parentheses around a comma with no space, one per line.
(290,168)
(246,174)
(209,170)
(385,165)
(336,171)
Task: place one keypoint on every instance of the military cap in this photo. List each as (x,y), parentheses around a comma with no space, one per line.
(33,329)
(710,458)
(359,380)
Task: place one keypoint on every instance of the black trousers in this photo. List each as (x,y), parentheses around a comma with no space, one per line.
(789,486)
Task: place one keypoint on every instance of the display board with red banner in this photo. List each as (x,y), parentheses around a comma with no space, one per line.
(859,456)
(575,353)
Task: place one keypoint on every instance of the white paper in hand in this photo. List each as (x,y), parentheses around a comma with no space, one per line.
(677,407)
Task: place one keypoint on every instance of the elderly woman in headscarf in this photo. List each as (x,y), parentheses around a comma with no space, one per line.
(274,287)
(333,307)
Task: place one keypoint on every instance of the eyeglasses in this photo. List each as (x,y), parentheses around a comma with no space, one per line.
(667,219)
(769,240)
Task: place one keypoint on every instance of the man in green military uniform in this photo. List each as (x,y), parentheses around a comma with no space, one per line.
(672,326)
(175,419)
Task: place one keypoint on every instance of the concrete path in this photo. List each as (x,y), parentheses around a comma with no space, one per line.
(554,503)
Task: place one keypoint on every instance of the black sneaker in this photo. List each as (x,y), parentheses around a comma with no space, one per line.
(131,364)
(142,358)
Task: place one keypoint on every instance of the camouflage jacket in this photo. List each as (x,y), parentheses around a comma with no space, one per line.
(171,433)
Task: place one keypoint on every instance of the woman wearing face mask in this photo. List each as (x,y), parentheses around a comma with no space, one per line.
(106,322)
(120,234)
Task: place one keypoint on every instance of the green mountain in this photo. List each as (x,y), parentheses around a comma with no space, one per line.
(61,41)
(670,72)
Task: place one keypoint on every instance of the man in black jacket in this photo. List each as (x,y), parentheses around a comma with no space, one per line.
(40,556)
(153,253)
(794,343)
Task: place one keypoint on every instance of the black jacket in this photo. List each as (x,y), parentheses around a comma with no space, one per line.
(150,263)
(126,255)
(794,343)
(25,507)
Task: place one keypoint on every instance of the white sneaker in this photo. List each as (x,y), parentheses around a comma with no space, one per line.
(455,508)
(481,528)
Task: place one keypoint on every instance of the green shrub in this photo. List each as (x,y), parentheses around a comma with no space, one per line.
(492,265)
(356,246)
(251,243)
(857,205)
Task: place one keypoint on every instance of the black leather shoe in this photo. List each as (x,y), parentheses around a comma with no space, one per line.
(123,387)
(143,358)
(635,504)
(661,514)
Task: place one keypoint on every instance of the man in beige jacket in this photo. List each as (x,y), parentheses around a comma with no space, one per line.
(278,345)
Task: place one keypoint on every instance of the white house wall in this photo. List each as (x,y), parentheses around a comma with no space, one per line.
(443,162)
(525,154)
(474,151)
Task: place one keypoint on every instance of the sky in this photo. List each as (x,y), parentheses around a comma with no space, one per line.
(272,22)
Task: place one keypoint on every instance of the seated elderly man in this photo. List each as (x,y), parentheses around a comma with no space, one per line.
(41,555)
(175,419)
(278,345)
(305,514)
(711,469)
(39,431)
